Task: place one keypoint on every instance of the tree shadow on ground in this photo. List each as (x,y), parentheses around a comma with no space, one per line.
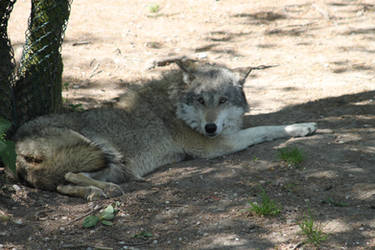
(337,161)
(204,203)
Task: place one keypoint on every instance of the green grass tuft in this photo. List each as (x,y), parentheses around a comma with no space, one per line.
(267,207)
(292,156)
(154,8)
(312,231)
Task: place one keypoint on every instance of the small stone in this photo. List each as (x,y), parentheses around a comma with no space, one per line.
(202,55)
(18,221)
(16,188)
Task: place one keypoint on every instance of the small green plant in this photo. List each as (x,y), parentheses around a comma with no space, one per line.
(267,207)
(335,203)
(66,85)
(291,187)
(154,8)
(7,148)
(292,156)
(312,231)
(143,234)
(76,107)
(105,217)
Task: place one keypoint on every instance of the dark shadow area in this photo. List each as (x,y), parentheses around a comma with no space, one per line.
(238,174)
(304,44)
(206,47)
(362,6)
(84,39)
(356,48)
(220,40)
(291,30)
(204,203)
(154,45)
(263,17)
(267,46)
(347,66)
(360,31)
(225,36)
(327,107)
(289,89)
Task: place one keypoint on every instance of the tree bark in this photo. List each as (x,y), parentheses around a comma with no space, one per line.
(6,63)
(39,84)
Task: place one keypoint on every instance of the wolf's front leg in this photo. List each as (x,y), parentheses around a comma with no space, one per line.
(250,136)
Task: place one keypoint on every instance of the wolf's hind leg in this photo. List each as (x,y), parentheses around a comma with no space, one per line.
(89,193)
(89,188)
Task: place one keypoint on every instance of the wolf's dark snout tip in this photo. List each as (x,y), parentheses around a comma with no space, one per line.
(210,128)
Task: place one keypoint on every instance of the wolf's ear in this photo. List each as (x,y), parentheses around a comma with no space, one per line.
(188,67)
(243,73)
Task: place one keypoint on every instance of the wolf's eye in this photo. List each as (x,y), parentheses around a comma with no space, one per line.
(223,99)
(201,100)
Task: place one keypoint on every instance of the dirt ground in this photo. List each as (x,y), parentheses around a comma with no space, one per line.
(324,57)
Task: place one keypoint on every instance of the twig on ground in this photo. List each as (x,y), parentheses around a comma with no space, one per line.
(300,244)
(85,215)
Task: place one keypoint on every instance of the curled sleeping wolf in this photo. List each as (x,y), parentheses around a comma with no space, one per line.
(197,113)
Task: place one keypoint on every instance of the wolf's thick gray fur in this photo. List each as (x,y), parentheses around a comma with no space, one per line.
(198,113)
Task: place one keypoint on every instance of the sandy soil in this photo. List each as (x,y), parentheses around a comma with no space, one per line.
(323,53)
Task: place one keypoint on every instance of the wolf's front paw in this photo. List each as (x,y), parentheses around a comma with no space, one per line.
(301,129)
(112,190)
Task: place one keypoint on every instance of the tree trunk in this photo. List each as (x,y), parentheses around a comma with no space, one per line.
(39,84)
(6,63)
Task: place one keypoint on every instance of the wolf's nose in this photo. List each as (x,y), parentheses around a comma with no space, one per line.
(210,128)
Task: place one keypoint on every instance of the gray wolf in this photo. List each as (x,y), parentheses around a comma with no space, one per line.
(196,112)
